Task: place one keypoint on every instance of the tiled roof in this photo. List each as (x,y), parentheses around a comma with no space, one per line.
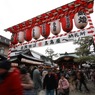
(4,40)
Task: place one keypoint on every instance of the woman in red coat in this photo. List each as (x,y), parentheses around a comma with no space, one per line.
(10,82)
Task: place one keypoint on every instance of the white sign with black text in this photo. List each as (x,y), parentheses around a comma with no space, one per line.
(55,40)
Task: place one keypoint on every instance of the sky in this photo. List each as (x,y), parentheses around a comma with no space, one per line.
(13,12)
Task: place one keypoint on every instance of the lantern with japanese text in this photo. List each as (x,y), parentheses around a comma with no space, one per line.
(67,23)
(80,20)
(36,32)
(14,39)
(21,37)
(45,30)
(28,34)
(55,27)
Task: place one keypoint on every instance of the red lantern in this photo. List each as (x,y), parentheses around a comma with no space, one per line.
(21,37)
(36,32)
(14,39)
(90,7)
(28,34)
(67,23)
(45,30)
(55,27)
(80,20)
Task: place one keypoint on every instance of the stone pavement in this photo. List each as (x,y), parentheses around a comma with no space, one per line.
(91,87)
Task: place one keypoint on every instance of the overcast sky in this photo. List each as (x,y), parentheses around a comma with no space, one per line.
(13,12)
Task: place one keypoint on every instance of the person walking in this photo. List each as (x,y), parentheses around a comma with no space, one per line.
(10,81)
(63,86)
(82,81)
(37,80)
(49,83)
(27,82)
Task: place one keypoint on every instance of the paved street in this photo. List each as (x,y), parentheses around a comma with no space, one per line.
(90,86)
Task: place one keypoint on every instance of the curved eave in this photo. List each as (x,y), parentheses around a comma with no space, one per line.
(72,56)
(30,57)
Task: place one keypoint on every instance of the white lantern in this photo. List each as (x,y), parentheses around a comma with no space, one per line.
(20,36)
(36,32)
(80,20)
(55,27)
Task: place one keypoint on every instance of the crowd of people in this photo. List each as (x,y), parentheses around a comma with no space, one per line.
(23,80)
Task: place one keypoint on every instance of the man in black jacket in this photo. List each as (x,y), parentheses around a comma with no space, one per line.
(49,83)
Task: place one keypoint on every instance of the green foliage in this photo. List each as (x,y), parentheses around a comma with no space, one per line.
(83,51)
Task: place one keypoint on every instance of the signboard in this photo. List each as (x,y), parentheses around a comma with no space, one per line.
(56,39)
(31,61)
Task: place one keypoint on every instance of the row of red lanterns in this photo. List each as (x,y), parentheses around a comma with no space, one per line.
(80,20)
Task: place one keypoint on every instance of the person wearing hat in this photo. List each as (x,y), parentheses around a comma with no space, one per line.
(10,82)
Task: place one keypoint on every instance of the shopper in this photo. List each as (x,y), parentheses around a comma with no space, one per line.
(63,86)
(49,83)
(82,81)
(37,79)
(10,81)
(27,82)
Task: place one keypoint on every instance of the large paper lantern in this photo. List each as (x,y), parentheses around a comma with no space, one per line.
(28,34)
(14,39)
(45,30)
(55,27)
(21,37)
(67,23)
(36,32)
(80,20)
